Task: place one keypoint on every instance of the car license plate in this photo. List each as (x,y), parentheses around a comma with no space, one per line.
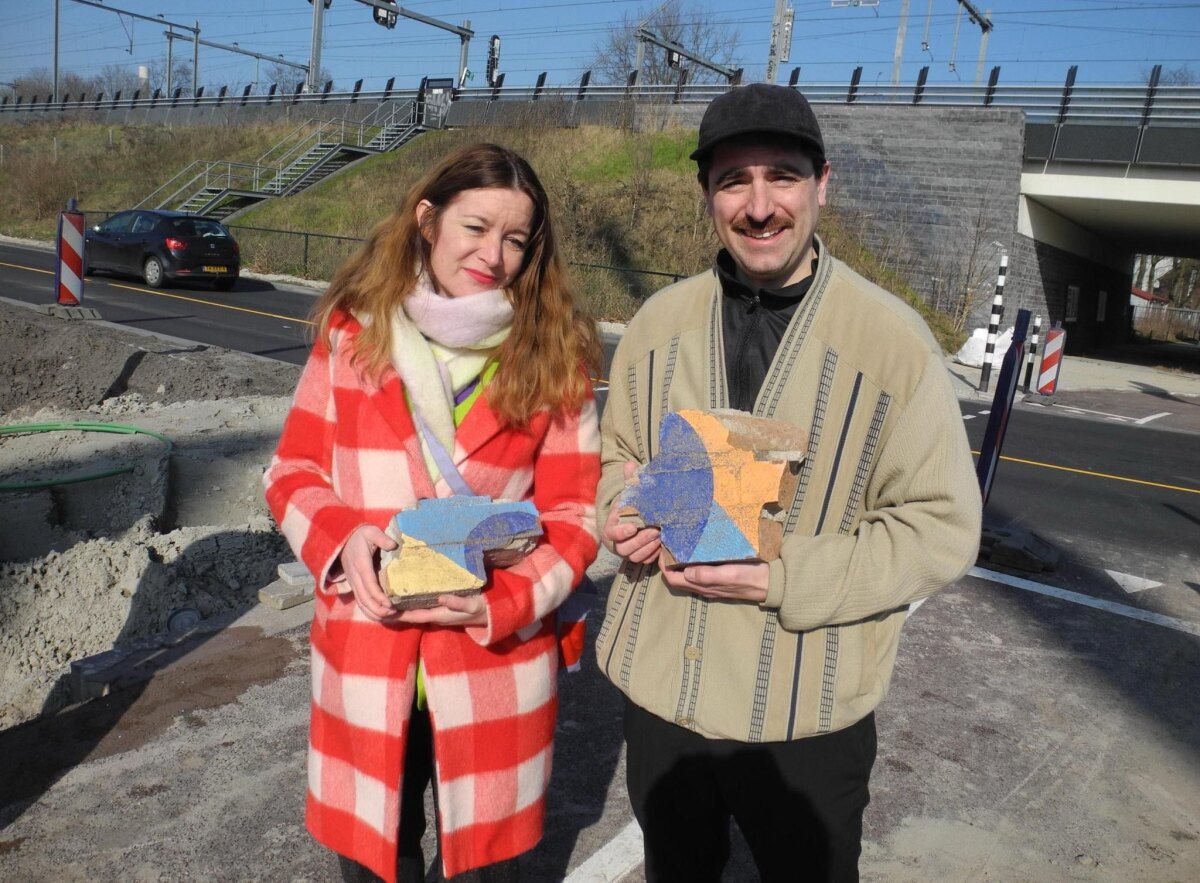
(211,268)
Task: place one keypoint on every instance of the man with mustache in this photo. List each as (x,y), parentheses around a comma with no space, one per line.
(751,687)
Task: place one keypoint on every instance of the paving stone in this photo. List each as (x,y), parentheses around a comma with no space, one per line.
(282,595)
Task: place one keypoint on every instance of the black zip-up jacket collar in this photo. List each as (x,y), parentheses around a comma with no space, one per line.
(753,323)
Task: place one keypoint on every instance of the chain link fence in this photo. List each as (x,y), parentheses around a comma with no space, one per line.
(604,291)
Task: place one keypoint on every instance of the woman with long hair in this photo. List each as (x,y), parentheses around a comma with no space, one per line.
(449,358)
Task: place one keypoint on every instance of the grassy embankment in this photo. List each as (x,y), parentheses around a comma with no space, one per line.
(622,199)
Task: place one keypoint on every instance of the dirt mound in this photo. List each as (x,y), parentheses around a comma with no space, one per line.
(76,364)
(112,538)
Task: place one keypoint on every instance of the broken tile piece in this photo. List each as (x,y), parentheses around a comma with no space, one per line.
(714,486)
(441,545)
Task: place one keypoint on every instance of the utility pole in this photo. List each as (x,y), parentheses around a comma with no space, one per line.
(159,19)
(985,25)
(732,75)
(170,59)
(314,55)
(196,60)
(898,55)
(257,56)
(780,49)
(385,13)
(56,51)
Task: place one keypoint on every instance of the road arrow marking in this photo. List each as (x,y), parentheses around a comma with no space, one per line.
(1131,583)
(1146,420)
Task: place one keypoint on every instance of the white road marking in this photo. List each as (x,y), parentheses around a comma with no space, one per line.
(1097,413)
(1029,585)
(1146,420)
(614,860)
(1131,583)
(1116,417)
(968,416)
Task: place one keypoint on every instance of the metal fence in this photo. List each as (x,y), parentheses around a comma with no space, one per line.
(605,291)
(1132,104)
(293,253)
(1163,322)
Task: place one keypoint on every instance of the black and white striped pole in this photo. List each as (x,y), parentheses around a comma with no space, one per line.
(1029,358)
(993,326)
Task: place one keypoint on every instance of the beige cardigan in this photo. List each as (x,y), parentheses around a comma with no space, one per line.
(887,511)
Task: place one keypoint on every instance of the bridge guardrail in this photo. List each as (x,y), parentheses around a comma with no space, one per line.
(1137,107)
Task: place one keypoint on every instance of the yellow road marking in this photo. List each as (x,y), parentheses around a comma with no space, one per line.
(209,303)
(23,267)
(1169,487)
(197,300)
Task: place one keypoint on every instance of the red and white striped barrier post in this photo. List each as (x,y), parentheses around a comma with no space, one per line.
(989,352)
(68,268)
(1056,339)
(1032,354)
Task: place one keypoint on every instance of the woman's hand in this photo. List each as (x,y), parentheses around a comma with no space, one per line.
(452,610)
(358,560)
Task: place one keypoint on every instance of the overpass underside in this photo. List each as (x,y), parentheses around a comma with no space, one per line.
(1085,224)
(1109,214)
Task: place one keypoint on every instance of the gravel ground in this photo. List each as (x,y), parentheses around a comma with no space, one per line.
(178,537)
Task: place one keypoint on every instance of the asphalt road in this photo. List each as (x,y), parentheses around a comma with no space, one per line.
(256,317)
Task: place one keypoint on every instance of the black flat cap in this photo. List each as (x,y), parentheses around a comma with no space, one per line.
(760,108)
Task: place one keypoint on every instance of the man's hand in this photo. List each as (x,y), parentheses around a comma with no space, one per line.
(359,566)
(640,545)
(727,582)
(452,610)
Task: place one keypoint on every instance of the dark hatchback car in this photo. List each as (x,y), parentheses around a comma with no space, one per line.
(163,245)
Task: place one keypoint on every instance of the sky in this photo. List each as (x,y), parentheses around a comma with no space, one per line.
(1115,42)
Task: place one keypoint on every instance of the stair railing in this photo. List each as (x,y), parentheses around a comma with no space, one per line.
(218,174)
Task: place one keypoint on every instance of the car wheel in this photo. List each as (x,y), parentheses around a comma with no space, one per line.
(87,270)
(152,272)
(224,283)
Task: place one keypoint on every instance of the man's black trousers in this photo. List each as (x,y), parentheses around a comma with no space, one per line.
(799,804)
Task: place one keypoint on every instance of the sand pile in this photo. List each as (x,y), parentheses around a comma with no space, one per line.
(180,533)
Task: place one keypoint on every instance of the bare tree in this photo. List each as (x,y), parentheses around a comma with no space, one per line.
(37,82)
(1175,76)
(968,277)
(696,29)
(181,74)
(40,82)
(114,78)
(288,78)
(1179,284)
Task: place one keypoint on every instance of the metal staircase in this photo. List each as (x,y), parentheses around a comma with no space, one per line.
(309,154)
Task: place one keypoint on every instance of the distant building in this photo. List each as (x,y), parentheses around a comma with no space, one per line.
(1140,298)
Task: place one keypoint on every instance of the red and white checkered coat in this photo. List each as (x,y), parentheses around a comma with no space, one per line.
(349,456)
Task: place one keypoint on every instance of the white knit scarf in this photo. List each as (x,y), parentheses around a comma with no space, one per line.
(439,345)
